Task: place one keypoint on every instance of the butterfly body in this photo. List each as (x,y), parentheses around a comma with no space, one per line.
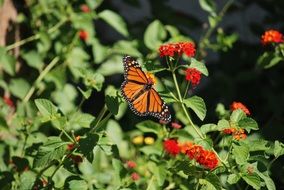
(137,89)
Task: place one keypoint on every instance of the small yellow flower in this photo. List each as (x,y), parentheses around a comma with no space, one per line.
(138,140)
(149,140)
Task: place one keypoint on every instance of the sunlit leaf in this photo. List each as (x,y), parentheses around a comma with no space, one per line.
(200,66)
(197,104)
(154,35)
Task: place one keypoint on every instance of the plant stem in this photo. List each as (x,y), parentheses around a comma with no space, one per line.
(211,29)
(186,89)
(40,77)
(36,36)
(99,118)
(103,121)
(183,107)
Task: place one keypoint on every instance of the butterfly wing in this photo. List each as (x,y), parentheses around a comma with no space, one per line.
(143,101)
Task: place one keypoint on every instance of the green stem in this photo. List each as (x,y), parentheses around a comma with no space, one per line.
(183,107)
(186,89)
(40,77)
(36,36)
(102,122)
(99,118)
(271,162)
(211,29)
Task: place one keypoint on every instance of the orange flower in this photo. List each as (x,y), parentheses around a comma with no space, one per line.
(184,147)
(271,36)
(239,105)
(238,134)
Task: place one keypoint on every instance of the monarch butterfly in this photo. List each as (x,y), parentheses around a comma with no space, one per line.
(137,89)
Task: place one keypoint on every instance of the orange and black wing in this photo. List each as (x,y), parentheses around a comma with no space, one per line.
(142,101)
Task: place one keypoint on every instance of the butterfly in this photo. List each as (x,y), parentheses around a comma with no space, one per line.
(137,89)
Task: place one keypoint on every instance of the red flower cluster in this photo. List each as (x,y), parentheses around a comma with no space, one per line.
(193,75)
(272,36)
(172,49)
(72,145)
(171,147)
(239,105)
(84,8)
(130,164)
(83,35)
(237,134)
(204,157)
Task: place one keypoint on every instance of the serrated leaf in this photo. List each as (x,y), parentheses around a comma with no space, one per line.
(237,115)
(53,149)
(197,104)
(114,20)
(46,107)
(200,66)
(233,178)
(241,153)
(248,124)
(253,180)
(154,35)
(112,104)
(149,127)
(81,119)
(19,87)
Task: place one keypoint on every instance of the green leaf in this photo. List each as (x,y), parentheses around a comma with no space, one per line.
(278,149)
(114,20)
(81,120)
(112,66)
(92,79)
(19,87)
(149,127)
(253,180)
(78,185)
(209,6)
(223,124)
(248,124)
(274,61)
(86,145)
(160,172)
(241,153)
(258,145)
(53,149)
(197,105)
(33,59)
(112,104)
(208,128)
(214,180)
(200,66)
(119,171)
(154,35)
(46,107)
(268,181)
(124,47)
(172,30)
(100,51)
(7,62)
(237,115)
(233,178)
(27,180)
